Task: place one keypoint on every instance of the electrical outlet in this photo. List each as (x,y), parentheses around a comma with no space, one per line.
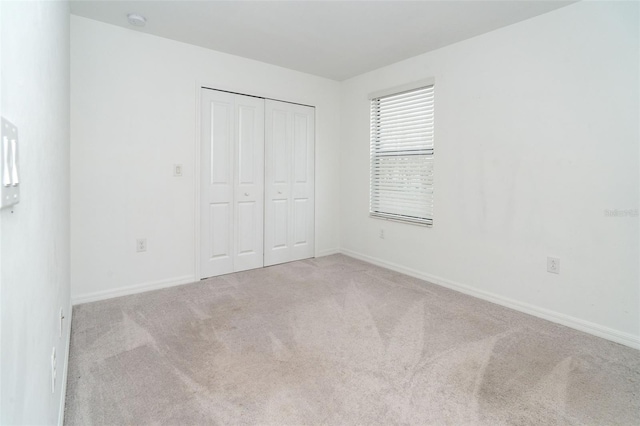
(141,245)
(553,265)
(53,370)
(381,234)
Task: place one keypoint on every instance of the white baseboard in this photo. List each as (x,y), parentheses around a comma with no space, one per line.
(623,338)
(328,252)
(65,368)
(154,285)
(132,289)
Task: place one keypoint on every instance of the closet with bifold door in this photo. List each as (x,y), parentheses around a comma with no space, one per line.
(256,182)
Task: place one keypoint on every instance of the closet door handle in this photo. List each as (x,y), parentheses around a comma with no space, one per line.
(246,194)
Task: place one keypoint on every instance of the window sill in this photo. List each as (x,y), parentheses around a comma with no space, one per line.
(416,222)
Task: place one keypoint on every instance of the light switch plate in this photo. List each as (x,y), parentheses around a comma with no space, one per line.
(10,185)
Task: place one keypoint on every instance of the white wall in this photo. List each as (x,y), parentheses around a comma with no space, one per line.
(133,115)
(536,135)
(35,237)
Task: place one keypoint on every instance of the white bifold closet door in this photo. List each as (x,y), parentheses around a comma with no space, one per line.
(232,183)
(289,182)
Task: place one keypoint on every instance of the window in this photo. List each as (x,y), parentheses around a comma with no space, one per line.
(402,154)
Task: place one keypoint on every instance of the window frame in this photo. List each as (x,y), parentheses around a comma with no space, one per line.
(376,154)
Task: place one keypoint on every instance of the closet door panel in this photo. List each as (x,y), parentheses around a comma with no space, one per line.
(300,147)
(220,231)
(246,225)
(300,233)
(249,196)
(216,183)
(289,215)
(303,244)
(280,224)
(277,183)
(257,182)
(220,142)
(277,157)
(232,183)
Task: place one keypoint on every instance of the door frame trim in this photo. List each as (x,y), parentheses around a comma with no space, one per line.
(199,85)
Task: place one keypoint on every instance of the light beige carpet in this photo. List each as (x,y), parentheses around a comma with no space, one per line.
(337,341)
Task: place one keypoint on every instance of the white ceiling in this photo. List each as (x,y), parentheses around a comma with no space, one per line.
(333,39)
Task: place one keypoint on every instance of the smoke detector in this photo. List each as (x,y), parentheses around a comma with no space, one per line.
(136,19)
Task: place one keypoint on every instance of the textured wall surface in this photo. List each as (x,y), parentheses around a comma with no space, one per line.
(133,116)
(536,138)
(35,280)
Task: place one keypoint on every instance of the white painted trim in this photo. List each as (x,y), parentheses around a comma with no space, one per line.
(196,179)
(328,252)
(431,81)
(598,330)
(132,289)
(258,93)
(65,372)
(315,180)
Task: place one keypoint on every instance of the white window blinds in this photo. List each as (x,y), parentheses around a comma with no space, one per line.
(402,156)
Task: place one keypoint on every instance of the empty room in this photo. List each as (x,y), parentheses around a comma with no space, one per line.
(320,212)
